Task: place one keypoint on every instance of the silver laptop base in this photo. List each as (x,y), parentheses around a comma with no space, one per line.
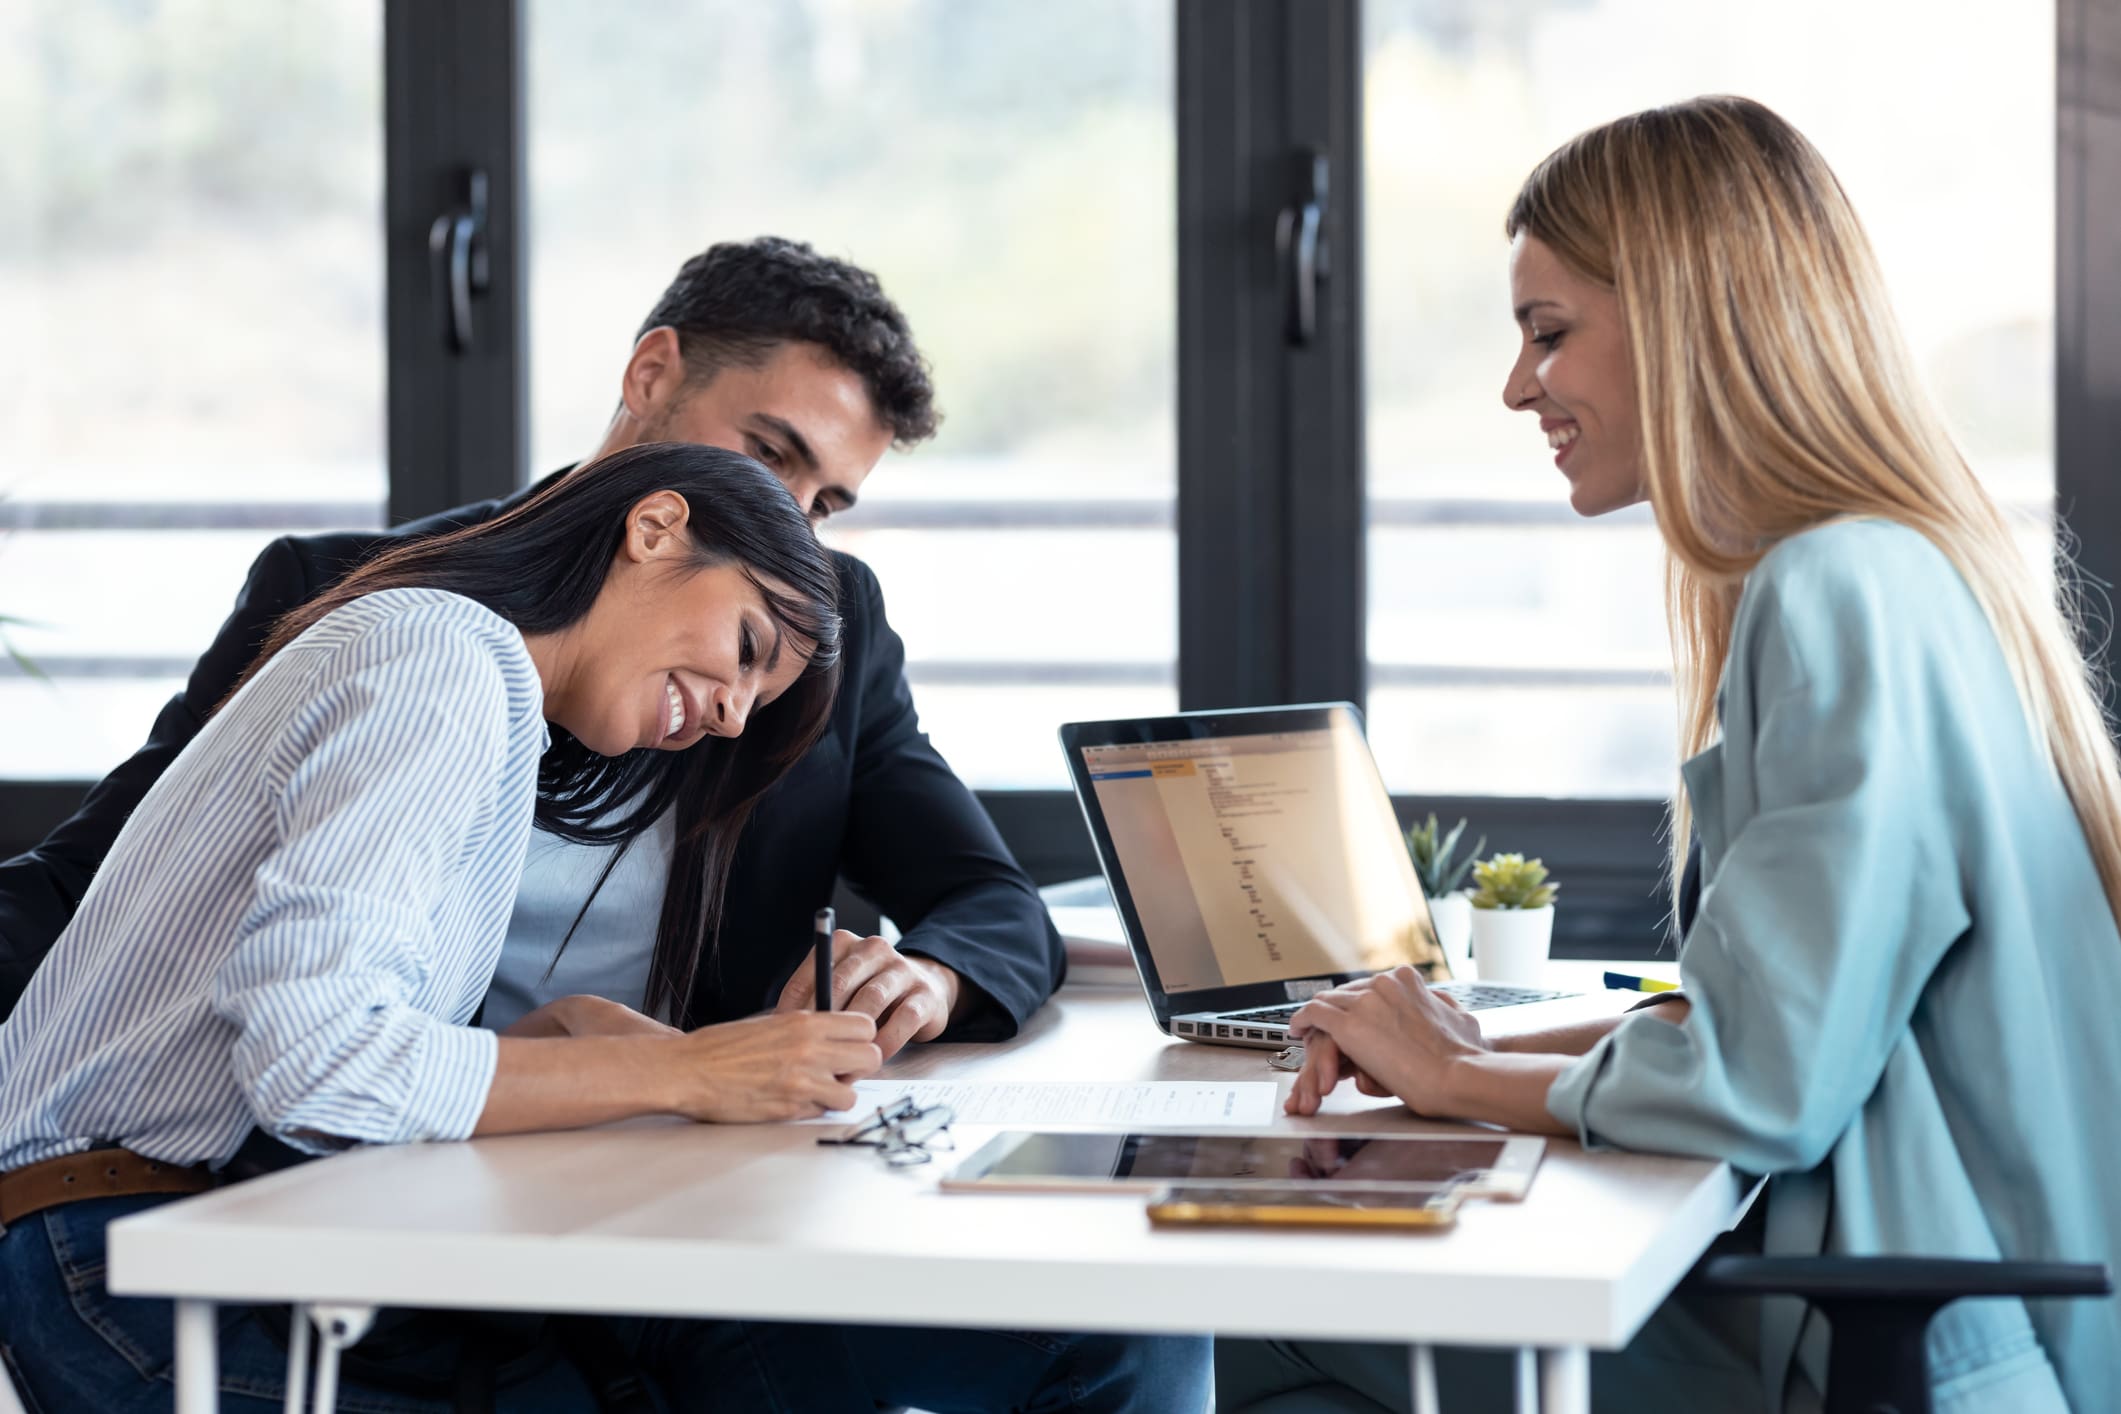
(1266,1028)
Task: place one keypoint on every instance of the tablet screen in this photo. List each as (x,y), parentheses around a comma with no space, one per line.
(1330,1160)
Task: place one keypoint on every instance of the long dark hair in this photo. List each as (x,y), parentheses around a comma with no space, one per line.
(541,566)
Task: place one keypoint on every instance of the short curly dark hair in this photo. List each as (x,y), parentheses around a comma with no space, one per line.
(737,301)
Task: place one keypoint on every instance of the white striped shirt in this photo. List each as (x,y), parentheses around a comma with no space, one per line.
(298,921)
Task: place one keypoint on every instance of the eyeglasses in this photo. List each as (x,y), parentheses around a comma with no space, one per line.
(903,1132)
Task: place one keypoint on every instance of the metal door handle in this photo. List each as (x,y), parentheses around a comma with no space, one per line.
(1300,242)
(456,249)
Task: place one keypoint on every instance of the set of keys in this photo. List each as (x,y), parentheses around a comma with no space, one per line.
(1287,1058)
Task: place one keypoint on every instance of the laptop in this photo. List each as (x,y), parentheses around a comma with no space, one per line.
(1255,861)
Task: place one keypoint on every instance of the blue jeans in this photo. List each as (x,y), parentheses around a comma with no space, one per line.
(72,1346)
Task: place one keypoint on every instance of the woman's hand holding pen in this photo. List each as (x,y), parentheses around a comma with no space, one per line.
(910,998)
(793,1066)
(784,1065)
(1391,1032)
(761,1068)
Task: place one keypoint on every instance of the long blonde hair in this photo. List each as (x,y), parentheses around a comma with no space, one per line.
(1777,396)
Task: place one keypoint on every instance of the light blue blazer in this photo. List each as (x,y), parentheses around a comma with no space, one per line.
(1905,977)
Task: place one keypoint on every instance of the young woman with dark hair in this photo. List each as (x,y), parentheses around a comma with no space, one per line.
(538,569)
(298,924)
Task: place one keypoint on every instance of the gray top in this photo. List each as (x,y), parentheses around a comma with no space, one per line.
(609,954)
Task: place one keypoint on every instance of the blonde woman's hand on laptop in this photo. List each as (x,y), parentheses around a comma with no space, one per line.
(1324,1067)
(1390,1032)
(1454,1017)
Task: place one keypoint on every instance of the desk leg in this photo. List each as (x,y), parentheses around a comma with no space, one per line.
(297,1362)
(338,1327)
(1421,1378)
(198,1372)
(1565,1380)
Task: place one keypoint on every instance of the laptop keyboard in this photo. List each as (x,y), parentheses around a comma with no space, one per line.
(1273,1015)
(1473,996)
(1479,996)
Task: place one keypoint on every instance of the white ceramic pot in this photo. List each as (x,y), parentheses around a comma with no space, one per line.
(1510,944)
(1453,916)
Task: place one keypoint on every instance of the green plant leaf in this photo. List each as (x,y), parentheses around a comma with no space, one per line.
(1464,867)
(1450,841)
(1421,849)
(1433,857)
(1421,842)
(21,659)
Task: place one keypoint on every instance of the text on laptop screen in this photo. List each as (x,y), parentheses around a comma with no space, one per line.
(1261,858)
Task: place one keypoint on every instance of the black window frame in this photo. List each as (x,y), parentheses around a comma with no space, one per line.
(453,112)
(1271,515)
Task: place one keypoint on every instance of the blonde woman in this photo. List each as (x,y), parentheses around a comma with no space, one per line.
(1903,976)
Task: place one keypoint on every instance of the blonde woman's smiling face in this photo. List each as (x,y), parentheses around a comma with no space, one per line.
(1574,374)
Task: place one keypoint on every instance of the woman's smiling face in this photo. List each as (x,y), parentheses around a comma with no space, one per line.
(1573,371)
(669,653)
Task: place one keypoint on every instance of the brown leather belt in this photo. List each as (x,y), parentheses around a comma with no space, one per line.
(94,1173)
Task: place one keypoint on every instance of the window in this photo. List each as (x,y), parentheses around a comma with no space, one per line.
(1078,207)
(191,265)
(1008,173)
(1517,650)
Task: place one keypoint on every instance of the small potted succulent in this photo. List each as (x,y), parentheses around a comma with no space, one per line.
(1513,919)
(1440,869)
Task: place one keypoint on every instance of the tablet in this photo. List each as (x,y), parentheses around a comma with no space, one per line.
(1497,1167)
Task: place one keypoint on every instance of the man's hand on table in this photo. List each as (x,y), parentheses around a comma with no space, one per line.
(910,998)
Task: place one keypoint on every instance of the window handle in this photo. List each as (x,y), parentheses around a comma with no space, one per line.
(456,249)
(1300,243)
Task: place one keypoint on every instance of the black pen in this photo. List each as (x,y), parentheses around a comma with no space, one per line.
(822,958)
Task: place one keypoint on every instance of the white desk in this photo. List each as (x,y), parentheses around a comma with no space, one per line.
(688,1220)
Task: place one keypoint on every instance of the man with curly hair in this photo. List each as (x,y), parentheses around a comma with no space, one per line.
(801,362)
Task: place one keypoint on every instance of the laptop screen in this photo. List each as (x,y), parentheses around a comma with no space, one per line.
(1262,858)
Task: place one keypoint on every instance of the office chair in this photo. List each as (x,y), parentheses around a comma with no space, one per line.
(1880,1308)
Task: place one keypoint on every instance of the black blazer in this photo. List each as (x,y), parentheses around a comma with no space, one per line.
(873,802)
